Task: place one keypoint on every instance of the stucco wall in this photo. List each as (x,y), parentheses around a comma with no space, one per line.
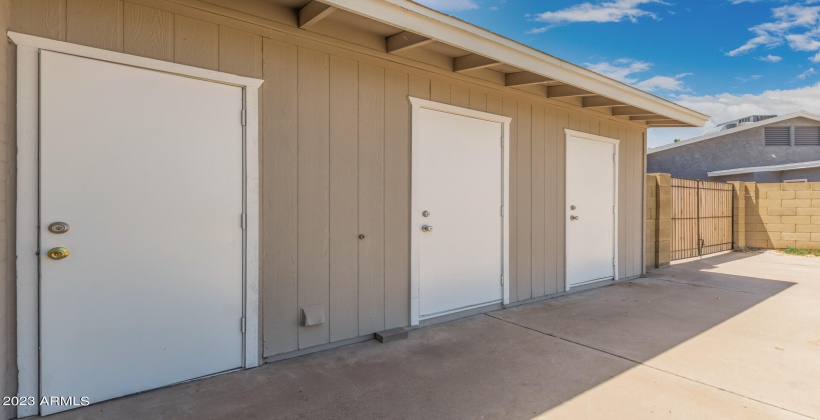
(8,343)
(742,149)
(335,157)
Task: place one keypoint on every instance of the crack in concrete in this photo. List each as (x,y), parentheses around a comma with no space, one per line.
(648,366)
(702,285)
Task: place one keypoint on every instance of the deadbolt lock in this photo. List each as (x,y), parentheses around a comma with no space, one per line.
(58,227)
(58,253)
(425,213)
(572,207)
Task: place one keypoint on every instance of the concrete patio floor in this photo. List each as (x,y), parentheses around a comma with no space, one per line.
(732,336)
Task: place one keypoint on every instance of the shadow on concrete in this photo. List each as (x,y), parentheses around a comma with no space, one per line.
(513,363)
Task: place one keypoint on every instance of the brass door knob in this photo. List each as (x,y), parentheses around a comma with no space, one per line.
(58,253)
(426,228)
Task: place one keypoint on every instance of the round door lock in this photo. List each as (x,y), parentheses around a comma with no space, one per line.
(572,207)
(426,228)
(361,236)
(58,253)
(58,227)
(425,213)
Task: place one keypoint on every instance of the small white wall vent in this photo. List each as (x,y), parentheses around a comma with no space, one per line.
(313,315)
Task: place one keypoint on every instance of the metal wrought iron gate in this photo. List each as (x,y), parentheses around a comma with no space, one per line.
(701,218)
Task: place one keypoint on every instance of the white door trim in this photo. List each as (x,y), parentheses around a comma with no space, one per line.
(594,137)
(27,246)
(417,105)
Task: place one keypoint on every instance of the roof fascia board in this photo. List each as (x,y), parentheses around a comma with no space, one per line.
(773,168)
(734,130)
(426,22)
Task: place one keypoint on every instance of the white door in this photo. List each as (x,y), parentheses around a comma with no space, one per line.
(590,208)
(145,168)
(459,180)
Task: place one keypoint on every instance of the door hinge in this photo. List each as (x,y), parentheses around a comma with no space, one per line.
(502,211)
(242,324)
(502,142)
(502,279)
(613,209)
(243,221)
(613,157)
(244,117)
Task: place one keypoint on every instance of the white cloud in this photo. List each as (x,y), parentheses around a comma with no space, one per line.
(726,107)
(749,79)
(608,11)
(623,70)
(449,5)
(807,73)
(771,58)
(620,69)
(795,25)
(664,83)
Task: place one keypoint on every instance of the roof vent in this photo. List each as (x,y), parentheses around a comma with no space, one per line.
(777,136)
(807,136)
(743,121)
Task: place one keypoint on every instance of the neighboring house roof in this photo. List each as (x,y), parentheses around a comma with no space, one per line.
(484,49)
(781,118)
(772,168)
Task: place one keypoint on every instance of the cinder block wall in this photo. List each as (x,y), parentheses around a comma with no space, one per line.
(651,220)
(782,215)
(766,216)
(659,220)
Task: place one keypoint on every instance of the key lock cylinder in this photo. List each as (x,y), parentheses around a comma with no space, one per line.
(426,228)
(58,253)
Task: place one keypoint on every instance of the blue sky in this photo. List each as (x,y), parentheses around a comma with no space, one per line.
(725,58)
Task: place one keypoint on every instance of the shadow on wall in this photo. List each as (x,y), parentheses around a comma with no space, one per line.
(484,365)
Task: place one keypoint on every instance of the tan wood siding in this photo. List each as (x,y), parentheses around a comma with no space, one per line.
(148,32)
(45,18)
(510,109)
(96,23)
(8,341)
(539,219)
(335,159)
(371,199)
(396,200)
(524,199)
(344,198)
(314,189)
(240,52)
(551,204)
(278,238)
(196,43)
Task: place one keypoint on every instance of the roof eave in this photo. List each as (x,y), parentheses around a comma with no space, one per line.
(710,136)
(418,19)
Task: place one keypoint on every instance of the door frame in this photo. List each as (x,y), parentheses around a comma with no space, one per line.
(27,239)
(417,104)
(616,143)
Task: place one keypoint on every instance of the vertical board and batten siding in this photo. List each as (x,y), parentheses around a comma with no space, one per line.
(8,327)
(335,161)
